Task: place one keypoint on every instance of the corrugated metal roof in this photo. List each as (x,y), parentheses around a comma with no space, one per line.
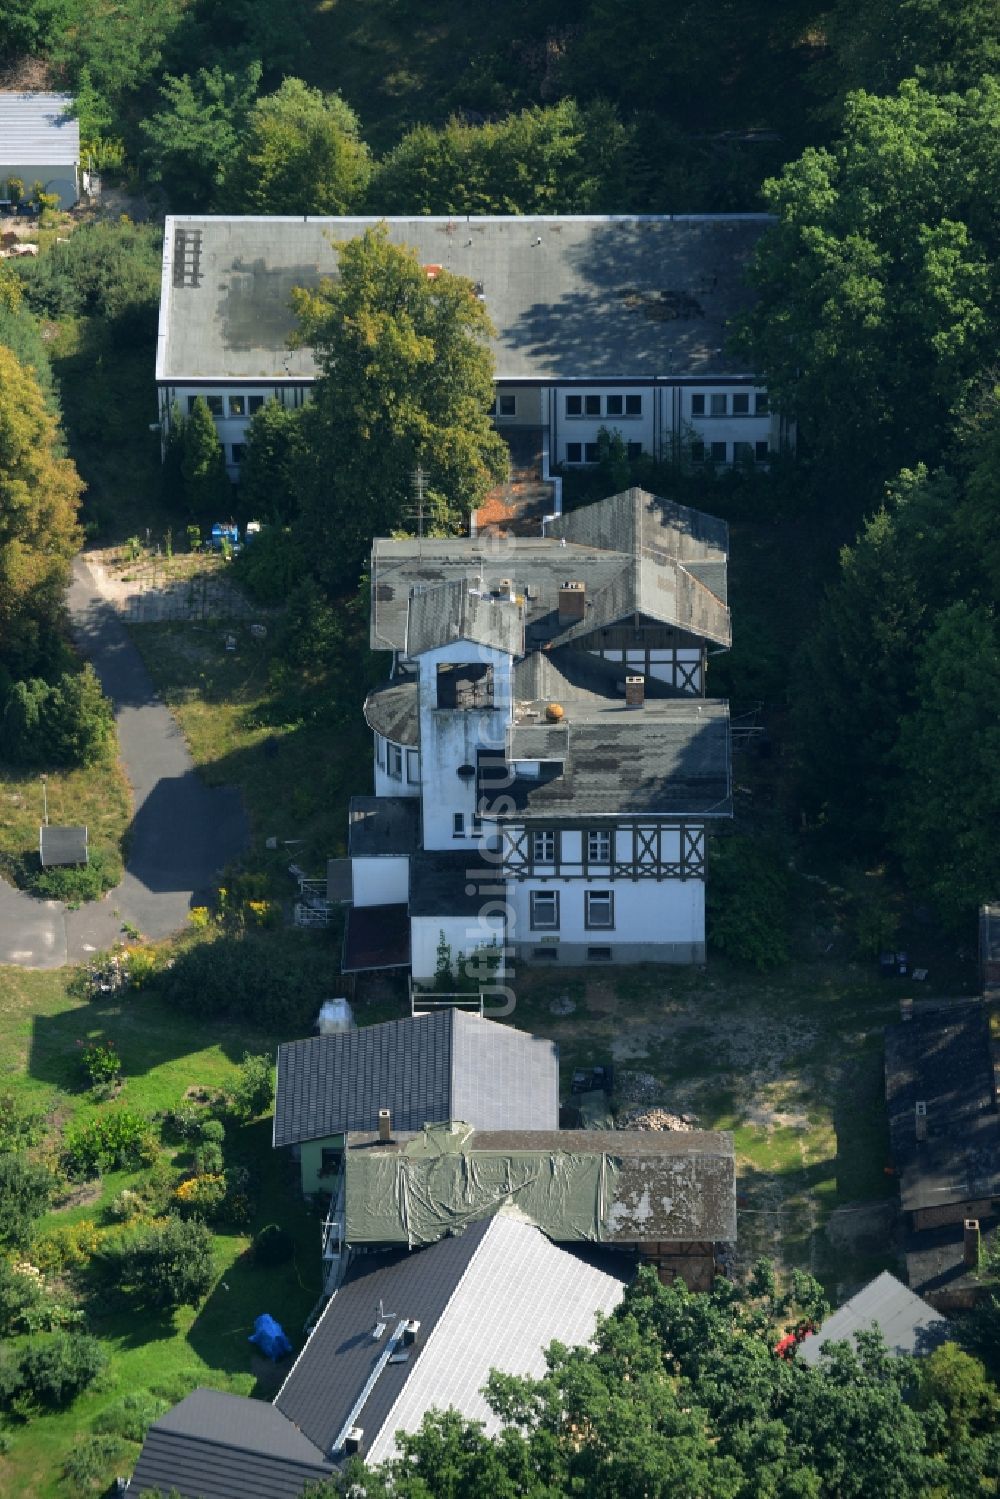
(38,129)
(417,1068)
(494,1296)
(519,1294)
(908,1324)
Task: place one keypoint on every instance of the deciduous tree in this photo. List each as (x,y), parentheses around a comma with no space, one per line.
(39,498)
(405,380)
(194,137)
(302,153)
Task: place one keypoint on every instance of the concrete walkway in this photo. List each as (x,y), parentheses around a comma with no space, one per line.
(182,834)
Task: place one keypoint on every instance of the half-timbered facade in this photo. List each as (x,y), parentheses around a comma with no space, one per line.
(547,762)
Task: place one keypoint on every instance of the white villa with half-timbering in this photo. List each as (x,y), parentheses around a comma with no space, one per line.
(601,322)
(546,760)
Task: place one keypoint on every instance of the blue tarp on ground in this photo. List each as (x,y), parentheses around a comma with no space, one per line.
(269,1337)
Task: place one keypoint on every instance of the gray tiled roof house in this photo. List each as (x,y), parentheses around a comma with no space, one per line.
(908,1325)
(446,1065)
(218,1446)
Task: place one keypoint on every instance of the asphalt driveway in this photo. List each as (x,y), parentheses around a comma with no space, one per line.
(182,834)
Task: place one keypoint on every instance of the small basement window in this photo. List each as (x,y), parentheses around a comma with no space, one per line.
(545,954)
(598,955)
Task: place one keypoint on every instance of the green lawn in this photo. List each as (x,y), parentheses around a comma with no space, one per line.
(96,796)
(163,1053)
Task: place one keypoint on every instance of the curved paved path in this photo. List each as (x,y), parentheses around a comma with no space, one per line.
(182,833)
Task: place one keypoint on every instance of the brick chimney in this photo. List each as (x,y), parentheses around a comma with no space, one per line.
(572,602)
(970,1243)
(920,1120)
(635,692)
(384,1126)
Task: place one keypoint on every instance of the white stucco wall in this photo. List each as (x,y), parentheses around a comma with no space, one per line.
(453,737)
(408,782)
(380,882)
(464,935)
(647,912)
(60,179)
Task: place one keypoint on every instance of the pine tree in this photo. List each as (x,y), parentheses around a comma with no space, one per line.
(207,491)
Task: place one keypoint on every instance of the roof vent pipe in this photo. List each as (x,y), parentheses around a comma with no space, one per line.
(906,1009)
(920,1120)
(384,1126)
(353,1440)
(410,1332)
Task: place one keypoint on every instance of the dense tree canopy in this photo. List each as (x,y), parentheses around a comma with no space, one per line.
(195,136)
(406,381)
(302,153)
(877,302)
(683,1397)
(39,497)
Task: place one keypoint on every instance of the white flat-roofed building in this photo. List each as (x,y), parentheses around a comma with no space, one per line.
(40,142)
(615,322)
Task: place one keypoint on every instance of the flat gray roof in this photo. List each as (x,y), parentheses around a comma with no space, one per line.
(591,298)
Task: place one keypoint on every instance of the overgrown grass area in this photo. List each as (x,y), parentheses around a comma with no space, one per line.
(295,766)
(165,1055)
(96,796)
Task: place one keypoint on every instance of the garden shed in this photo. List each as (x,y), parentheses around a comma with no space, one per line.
(62,845)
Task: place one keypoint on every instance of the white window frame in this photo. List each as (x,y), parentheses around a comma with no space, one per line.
(606,900)
(718,403)
(413,767)
(544,840)
(741,395)
(548,898)
(380,751)
(508,401)
(394,761)
(598,847)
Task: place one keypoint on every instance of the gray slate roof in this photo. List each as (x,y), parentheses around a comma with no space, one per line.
(218,1446)
(908,1324)
(422,1069)
(392,709)
(943,1058)
(38,130)
(586,298)
(454,611)
(635,552)
(492,1297)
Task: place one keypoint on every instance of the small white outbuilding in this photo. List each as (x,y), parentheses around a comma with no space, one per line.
(40,142)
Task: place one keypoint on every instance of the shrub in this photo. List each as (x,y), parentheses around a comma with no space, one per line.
(19,1127)
(94,1459)
(100,1063)
(143,963)
(208,1159)
(271,566)
(258,980)
(273,1246)
(132,1415)
(252,1094)
(66,722)
(25,1192)
(213,1130)
(77,882)
(128,1205)
(54,1371)
(112,1140)
(71,1246)
(748,900)
(169,1265)
(201,1196)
